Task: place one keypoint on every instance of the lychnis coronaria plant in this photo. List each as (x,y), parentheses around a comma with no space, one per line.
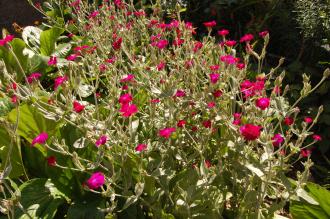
(139,118)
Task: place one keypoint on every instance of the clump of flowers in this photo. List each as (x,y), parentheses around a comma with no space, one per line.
(178,119)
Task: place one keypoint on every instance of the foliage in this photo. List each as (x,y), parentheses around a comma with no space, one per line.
(129,116)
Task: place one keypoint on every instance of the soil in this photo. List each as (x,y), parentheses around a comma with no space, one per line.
(18,11)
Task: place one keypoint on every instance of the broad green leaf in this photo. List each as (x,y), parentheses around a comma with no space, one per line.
(48,40)
(86,209)
(15,154)
(40,199)
(304,210)
(321,195)
(31,123)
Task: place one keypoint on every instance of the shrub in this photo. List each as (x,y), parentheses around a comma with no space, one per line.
(132,117)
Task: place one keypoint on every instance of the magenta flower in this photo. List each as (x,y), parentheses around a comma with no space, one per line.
(250,132)
(52,61)
(33,77)
(223,32)
(240,66)
(207,124)
(125,98)
(101,141)
(77,107)
(180,93)
(317,137)
(263,34)
(215,67)
(181,123)
(161,66)
(263,103)
(127,78)
(210,24)
(59,81)
(6,40)
(198,45)
(308,120)
(305,152)
(288,121)
(228,59)
(96,180)
(277,140)
(211,104)
(230,43)
(246,38)
(141,147)
(72,57)
(128,110)
(214,77)
(40,139)
(161,44)
(166,132)
(117,44)
(217,93)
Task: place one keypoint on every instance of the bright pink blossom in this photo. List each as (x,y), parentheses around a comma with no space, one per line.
(250,132)
(223,32)
(263,103)
(180,93)
(246,38)
(228,59)
(166,132)
(305,152)
(59,81)
(6,40)
(181,123)
(214,77)
(161,44)
(230,43)
(125,98)
(127,78)
(77,107)
(96,180)
(210,24)
(128,110)
(141,147)
(101,141)
(263,34)
(40,139)
(72,57)
(211,104)
(317,137)
(52,61)
(308,120)
(240,66)
(161,66)
(197,46)
(215,67)
(117,43)
(277,140)
(33,77)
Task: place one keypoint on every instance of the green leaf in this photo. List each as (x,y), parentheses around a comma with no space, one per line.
(15,154)
(31,36)
(62,50)
(31,123)
(86,209)
(48,40)
(321,195)
(40,199)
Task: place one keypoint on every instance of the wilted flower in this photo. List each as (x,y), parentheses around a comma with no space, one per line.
(288,121)
(263,33)
(96,180)
(117,43)
(305,152)
(207,124)
(51,161)
(181,123)
(217,93)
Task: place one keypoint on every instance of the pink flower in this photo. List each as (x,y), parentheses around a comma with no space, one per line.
(223,32)
(72,57)
(125,98)
(166,132)
(102,67)
(59,81)
(214,77)
(161,44)
(237,122)
(52,61)
(230,43)
(77,107)
(207,124)
(161,66)
(101,141)
(210,24)
(111,60)
(263,103)
(305,152)
(141,147)
(277,140)
(40,139)
(155,100)
(6,40)
(127,78)
(33,77)
(214,67)
(51,161)
(263,34)
(211,105)
(308,120)
(246,38)
(96,180)
(228,59)
(128,110)
(240,66)
(181,123)
(217,93)
(317,137)
(180,93)
(288,121)
(237,115)
(197,46)
(250,132)
(178,42)
(117,44)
